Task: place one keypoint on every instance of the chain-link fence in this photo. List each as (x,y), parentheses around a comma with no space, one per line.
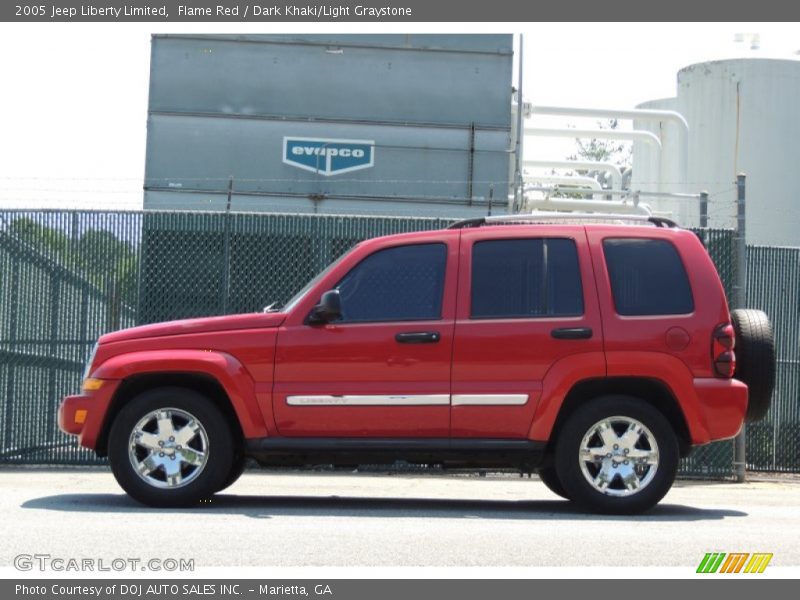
(68,276)
(65,276)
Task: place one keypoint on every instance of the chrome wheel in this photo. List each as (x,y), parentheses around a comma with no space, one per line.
(619,456)
(168,448)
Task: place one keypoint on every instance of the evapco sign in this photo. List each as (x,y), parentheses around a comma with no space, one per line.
(328,156)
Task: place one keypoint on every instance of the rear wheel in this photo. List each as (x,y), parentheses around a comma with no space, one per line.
(755,359)
(616,454)
(170,447)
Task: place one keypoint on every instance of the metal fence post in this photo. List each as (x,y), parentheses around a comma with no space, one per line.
(704,209)
(520,134)
(704,216)
(9,438)
(471,164)
(225,288)
(739,301)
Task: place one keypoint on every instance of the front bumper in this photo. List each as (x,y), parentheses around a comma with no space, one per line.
(723,405)
(84,414)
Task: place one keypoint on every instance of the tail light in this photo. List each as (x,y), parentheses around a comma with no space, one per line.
(722,355)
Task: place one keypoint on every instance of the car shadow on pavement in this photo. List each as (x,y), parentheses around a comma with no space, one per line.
(265,507)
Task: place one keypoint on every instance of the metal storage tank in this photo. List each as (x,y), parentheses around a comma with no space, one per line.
(743,116)
(357,124)
(659,170)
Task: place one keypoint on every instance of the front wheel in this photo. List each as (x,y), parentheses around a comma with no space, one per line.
(549,477)
(171,447)
(237,469)
(617,454)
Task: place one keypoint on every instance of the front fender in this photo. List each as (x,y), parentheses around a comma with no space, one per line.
(227,371)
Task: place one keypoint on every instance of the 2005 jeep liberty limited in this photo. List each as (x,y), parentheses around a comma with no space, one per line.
(595,354)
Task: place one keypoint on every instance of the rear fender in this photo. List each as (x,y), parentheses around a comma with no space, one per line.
(668,370)
(558,381)
(674,375)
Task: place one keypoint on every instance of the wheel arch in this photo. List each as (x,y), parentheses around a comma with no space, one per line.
(202,383)
(649,390)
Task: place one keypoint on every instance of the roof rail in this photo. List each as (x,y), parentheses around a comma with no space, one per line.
(555,216)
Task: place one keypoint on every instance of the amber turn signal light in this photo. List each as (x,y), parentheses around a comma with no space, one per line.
(91,384)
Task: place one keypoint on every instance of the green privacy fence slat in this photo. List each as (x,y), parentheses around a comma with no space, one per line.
(773,276)
(217,263)
(69,276)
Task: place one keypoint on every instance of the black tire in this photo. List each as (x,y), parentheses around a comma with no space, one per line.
(549,477)
(211,446)
(616,498)
(755,359)
(237,468)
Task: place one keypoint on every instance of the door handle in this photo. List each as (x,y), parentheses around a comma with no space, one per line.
(418,337)
(572,333)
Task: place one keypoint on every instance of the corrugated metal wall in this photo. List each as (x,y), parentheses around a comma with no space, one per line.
(436,107)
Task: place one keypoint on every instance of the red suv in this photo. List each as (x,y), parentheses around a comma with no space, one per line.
(594,354)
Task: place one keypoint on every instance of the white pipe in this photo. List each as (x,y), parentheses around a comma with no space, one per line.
(627,174)
(537,216)
(575,180)
(607,206)
(589,165)
(623,193)
(642,114)
(608,134)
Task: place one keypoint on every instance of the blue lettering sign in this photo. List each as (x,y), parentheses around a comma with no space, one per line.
(328,156)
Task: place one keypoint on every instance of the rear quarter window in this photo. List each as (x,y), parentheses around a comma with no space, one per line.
(647,277)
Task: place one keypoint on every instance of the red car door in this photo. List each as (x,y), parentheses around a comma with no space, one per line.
(383,368)
(526,301)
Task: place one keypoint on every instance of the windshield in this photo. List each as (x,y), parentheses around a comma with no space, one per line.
(299,295)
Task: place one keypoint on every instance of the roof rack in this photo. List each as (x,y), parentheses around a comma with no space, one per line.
(555,216)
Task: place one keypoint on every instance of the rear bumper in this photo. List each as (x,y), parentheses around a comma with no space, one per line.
(83,415)
(723,405)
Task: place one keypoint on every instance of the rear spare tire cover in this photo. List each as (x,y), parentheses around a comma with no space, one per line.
(755,359)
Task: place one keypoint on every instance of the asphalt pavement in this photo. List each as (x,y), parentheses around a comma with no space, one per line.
(354,519)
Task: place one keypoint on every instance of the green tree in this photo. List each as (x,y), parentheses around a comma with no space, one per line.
(614,151)
(49,241)
(108,259)
(98,255)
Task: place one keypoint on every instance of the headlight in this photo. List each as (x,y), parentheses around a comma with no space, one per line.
(87,369)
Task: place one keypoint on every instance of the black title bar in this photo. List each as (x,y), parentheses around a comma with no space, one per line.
(374,589)
(267,11)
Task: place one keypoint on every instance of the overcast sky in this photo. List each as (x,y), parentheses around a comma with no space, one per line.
(73,99)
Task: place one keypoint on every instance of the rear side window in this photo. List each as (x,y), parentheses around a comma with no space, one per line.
(405,283)
(536,277)
(647,277)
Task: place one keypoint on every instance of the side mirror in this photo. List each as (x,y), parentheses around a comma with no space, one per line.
(328,309)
